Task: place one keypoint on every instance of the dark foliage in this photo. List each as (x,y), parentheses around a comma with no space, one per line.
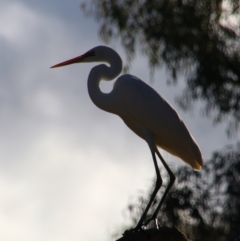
(204,205)
(199,39)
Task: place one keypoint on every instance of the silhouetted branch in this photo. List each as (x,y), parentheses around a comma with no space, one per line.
(161,234)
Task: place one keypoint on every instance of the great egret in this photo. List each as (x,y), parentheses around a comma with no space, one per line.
(144,111)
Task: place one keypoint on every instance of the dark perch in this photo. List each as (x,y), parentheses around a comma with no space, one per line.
(161,234)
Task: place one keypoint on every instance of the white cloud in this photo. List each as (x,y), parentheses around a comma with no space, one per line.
(61,164)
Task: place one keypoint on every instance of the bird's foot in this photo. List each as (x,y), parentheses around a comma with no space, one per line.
(136,229)
(156,222)
(142,228)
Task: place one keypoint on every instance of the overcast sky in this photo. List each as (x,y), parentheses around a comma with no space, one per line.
(68,169)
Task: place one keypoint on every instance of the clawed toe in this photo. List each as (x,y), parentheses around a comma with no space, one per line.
(142,227)
(136,229)
(156,222)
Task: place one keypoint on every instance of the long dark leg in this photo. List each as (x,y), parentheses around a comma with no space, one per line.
(171,182)
(157,186)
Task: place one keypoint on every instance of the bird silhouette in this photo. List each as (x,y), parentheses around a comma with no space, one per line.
(145,112)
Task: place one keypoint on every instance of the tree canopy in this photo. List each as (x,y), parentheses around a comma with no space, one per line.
(203,205)
(197,39)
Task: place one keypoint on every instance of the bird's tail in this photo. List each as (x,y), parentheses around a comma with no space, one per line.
(197,165)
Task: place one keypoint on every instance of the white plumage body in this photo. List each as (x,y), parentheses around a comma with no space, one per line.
(140,106)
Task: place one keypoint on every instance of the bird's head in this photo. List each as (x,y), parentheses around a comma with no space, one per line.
(97,54)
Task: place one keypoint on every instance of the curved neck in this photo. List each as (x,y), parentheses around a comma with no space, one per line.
(104,101)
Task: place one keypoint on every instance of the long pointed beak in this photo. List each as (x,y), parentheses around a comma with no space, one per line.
(70,61)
